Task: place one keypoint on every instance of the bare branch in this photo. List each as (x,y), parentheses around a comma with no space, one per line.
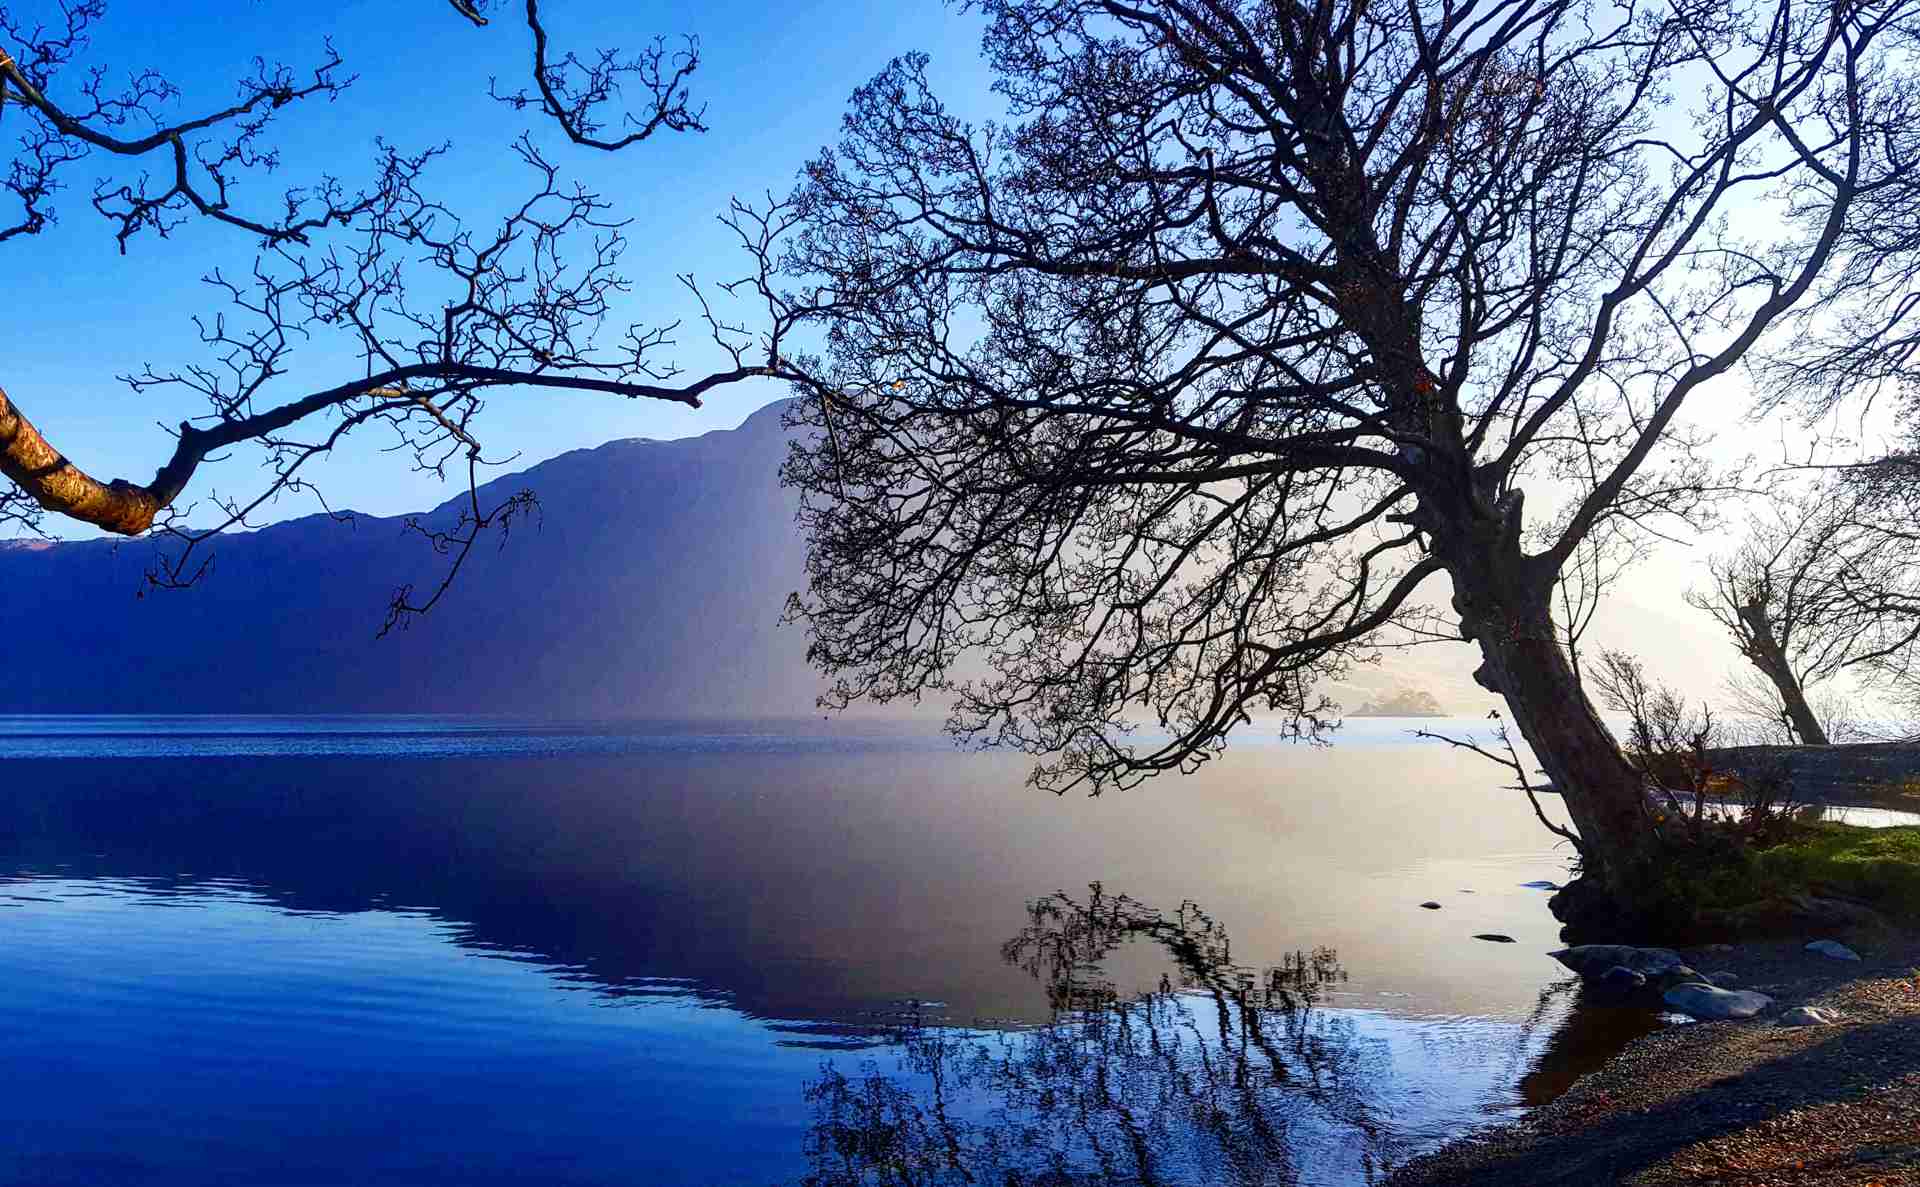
(1140,410)
(571,91)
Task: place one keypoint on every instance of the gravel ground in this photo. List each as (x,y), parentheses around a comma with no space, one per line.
(1740,1104)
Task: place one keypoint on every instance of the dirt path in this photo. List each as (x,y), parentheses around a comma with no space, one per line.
(1739,1104)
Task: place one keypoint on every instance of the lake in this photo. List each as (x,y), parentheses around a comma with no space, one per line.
(417,950)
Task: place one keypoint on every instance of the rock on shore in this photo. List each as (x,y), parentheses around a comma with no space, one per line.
(1628,970)
(1827,1098)
(1704,1001)
(1594,961)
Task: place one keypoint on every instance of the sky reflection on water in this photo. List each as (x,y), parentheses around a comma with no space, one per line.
(644,966)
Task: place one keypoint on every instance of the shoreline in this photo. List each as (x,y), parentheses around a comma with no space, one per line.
(1738,1103)
(1844,775)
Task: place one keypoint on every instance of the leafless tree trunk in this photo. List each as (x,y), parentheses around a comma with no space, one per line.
(1771,658)
(1856,345)
(1824,584)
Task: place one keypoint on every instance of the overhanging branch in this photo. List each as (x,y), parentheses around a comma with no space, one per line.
(128,508)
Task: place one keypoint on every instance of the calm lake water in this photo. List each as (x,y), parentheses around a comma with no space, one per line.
(409,950)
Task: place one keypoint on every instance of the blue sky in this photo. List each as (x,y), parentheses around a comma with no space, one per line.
(774,78)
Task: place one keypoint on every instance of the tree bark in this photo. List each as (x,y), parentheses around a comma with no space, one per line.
(34,465)
(1605,796)
(1504,602)
(1764,649)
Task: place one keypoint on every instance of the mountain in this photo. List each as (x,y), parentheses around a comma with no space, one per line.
(651,587)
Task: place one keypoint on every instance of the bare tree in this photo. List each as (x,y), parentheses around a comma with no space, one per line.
(1858,342)
(1824,584)
(1666,739)
(439,310)
(1672,745)
(1882,580)
(1783,599)
(1256,321)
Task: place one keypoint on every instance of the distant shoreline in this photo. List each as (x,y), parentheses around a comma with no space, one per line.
(1855,774)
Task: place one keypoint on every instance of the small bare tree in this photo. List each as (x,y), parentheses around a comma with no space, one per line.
(1824,584)
(1782,598)
(1670,743)
(1666,739)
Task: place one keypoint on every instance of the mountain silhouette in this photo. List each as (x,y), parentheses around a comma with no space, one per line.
(651,586)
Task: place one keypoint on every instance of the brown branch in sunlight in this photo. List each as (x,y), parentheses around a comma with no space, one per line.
(55,484)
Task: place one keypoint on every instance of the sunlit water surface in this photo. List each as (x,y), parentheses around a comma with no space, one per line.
(414,950)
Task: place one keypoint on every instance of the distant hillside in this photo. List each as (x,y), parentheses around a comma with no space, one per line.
(652,588)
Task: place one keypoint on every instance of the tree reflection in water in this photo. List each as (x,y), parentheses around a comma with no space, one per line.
(1220,1075)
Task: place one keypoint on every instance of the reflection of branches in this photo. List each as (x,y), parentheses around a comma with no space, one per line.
(1199,1080)
(1065,941)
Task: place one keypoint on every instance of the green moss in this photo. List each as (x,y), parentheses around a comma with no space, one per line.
(1718,886)
(1878,865)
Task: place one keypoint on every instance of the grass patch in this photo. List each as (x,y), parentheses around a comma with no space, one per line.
(1878,865)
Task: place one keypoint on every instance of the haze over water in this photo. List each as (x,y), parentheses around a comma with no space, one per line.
(462,951)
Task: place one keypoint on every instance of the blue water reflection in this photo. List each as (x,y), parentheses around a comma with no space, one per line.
(430,736)
(650,957)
